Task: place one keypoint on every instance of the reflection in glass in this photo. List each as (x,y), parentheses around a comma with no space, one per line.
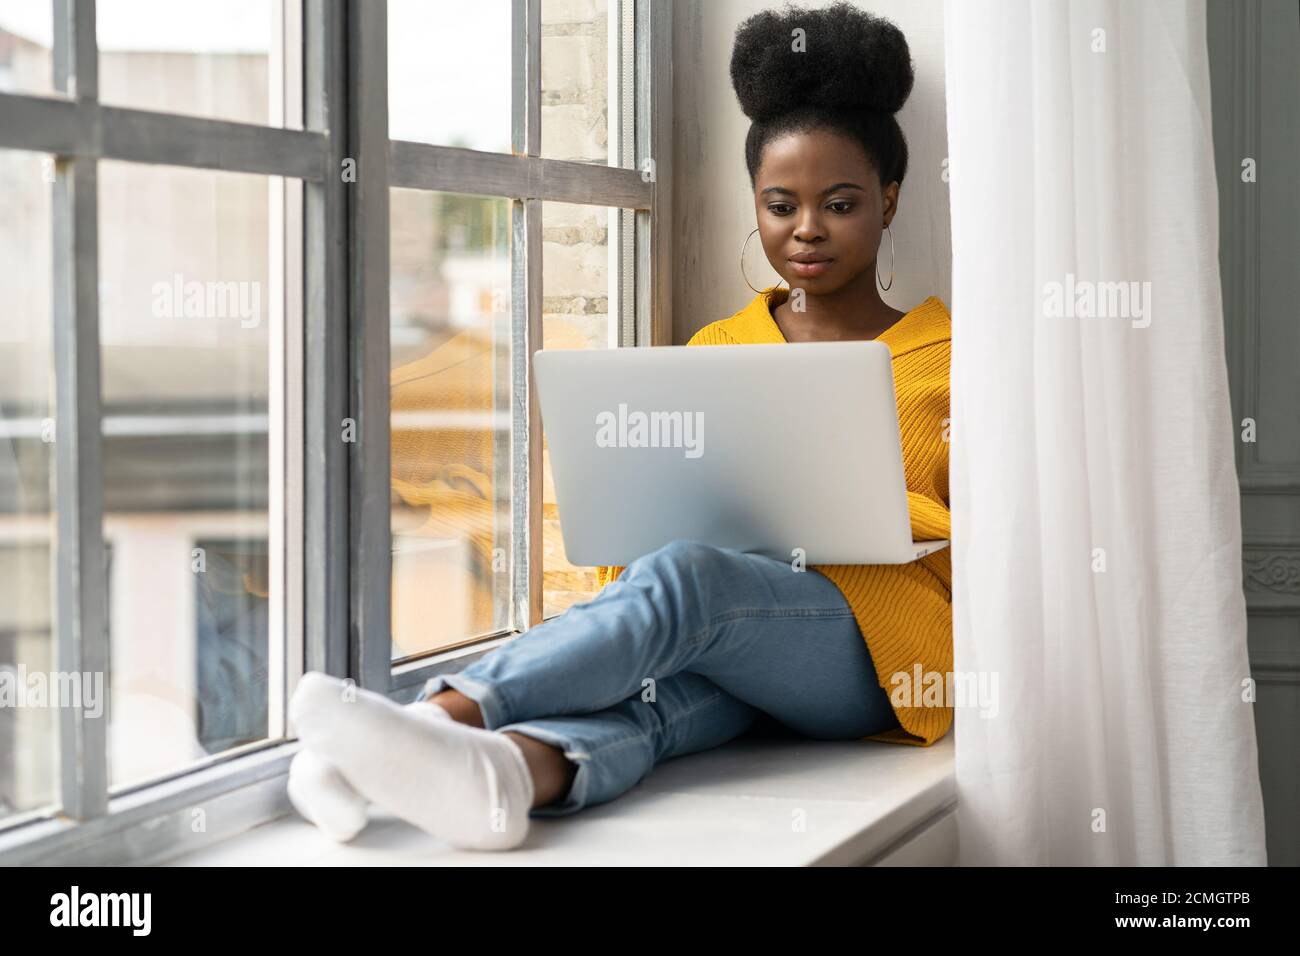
(449,73)
(29,734)
(450,334)
(462,96)
(186,318)
(26,42)
(214,58)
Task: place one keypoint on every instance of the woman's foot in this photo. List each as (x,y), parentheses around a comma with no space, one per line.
(318,791)
(469,787)
(320,794)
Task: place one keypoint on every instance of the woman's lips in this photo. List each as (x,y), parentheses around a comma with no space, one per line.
(808,270)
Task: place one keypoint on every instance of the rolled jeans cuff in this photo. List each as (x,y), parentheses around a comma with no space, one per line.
(576,798)
(490,704)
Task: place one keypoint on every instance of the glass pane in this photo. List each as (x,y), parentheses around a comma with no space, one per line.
(186,314)
(450,329)
(29,733)
(449,73)
(216,58)
(26,41)
(577,297)
(576,81)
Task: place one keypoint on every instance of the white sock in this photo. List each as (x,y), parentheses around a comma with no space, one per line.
(320,793)
(467,786)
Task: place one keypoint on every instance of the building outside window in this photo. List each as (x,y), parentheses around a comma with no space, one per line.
(219,465)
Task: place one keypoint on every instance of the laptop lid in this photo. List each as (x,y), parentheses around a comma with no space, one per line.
(787,450)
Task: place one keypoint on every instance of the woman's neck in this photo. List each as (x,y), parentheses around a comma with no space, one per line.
(850,313)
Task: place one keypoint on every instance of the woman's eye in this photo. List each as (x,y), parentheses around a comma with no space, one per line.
(842,207)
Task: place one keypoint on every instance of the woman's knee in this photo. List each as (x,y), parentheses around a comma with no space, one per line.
(682,555)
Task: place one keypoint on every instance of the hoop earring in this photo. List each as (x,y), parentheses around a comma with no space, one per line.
(884,287)
(742,264)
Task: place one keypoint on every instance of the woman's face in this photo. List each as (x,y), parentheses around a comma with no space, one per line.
(818,197)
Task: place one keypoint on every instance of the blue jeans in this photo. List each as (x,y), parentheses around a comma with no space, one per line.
(682,653)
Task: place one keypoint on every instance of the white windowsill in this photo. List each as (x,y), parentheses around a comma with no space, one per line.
(861,803)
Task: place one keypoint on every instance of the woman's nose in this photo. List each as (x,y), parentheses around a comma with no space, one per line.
(808,227)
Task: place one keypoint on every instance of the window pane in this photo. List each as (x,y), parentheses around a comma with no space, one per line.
(186,318)
(577,293)
(462,97)
(216,58)
(449,73)
(576,81)
(26,39)
(29,774)
(450,328)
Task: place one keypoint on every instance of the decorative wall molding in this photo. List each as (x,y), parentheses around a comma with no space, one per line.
(1275,572)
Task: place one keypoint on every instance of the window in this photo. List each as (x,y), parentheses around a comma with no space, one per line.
(219,465)
(217,58)
(583,62)
(476,44)
(580,309)
(451,388)
(154,274)
(186,320)
(27,46)
(492,258)
(29,766)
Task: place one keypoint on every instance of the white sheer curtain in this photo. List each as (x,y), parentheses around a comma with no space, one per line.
(1096,528)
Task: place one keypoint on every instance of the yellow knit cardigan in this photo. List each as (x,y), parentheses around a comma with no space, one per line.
(903,610)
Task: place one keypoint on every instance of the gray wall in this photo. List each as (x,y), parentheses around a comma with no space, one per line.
(1254,51)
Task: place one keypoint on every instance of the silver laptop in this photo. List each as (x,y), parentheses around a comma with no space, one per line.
(787,450)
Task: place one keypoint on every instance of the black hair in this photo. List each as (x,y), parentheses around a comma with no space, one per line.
(854,74)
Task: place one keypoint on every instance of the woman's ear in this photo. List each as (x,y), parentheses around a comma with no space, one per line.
(889,202)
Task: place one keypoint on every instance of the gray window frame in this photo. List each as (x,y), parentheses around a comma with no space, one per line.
(338,366)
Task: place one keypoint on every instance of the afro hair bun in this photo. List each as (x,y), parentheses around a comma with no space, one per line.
(851,61)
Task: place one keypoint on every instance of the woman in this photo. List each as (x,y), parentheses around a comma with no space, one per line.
(686,647)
